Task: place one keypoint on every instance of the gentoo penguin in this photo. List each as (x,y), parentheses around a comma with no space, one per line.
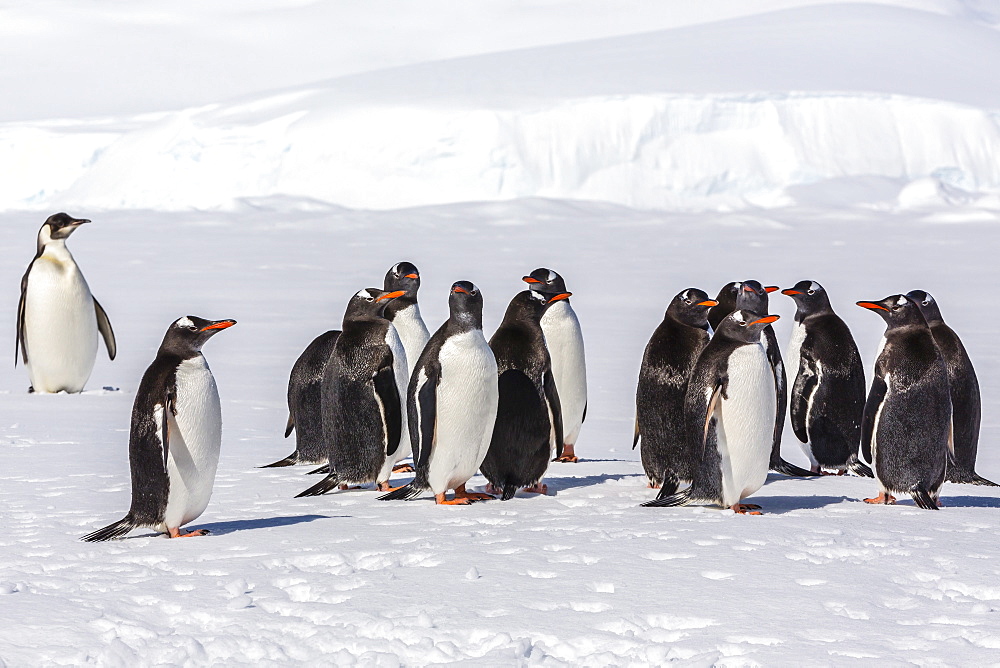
(729,413)
(564,340)
(403,312)
(305,415)
(752,296)
(906,429)
(452,403)
(663,379)
(529,418)
(965,398)
(176,435)
(828,383)
(57,318)
(363,391)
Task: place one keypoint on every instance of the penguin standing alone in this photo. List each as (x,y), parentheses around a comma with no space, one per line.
(452,403)
(667,363)
(363,392)
(828,387)
(729,416)
(965,398)
(906,429)
(57,317)
(564,340)
(529,419)
(176,435)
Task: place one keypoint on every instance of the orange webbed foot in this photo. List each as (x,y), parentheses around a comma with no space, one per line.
(883,497)
(461,493)
(746,509)
(384,487)
(457,501)
(403,468)
(537,488)
(176,533)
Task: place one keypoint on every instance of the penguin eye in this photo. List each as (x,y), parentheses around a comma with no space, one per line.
(810,292)
(687,301)
(192,328)
(369,299)
(743,324)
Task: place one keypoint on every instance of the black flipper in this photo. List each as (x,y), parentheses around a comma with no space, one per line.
(388,394)
(112,531)
(509,490)
(407,491)
(980,480)
(875,398)
(555,410)
(422,414)
(104,327)
(858,467)
(169,408)
(806,380)
(19,339)
(289,426)
(584,418)
(670,501)
(325,468)
(923,498)
(789,469)
(780,391)
(290,460)
(332,481)
(669,486)
(635,438)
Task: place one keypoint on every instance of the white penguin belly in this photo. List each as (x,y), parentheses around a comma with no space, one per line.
(564,340)
(467,397)
(400,368)
(413,333)
(746,424)
(60,326)
(195,435)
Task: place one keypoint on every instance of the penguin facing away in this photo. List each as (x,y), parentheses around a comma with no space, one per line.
(529,419)
(404,313)
(906,431)
(362,393)
(667,364)
(305,416)
(965,397)
(827,397)
(729,415)
(58,318)
(176,435)
(564,340)
(452,403)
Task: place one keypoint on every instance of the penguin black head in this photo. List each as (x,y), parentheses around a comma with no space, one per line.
(897,311)
(545,281)
(928,305)
(752,296)
(466,303)
(744,326)
(529,305)
(691,307)
(187,335)
(370,303)
(403,276)
(60,226)
(809,297)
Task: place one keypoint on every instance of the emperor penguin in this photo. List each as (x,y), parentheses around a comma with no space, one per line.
(729,416)
(57,317)
(404,313)
(528,426)
(452,403)
(828,383)
(176,435)
(363,394)
(304,395)
(965,398)
(564,340)
(906,431)
(752,296)
(667,364)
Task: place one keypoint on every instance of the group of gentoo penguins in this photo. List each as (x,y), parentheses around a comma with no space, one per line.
(711,398)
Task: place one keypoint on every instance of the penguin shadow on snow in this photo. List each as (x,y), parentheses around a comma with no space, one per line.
(232,526)
(967,502)
(561,484)
(781,505)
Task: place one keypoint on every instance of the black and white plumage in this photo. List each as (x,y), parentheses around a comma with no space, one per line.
(564,340)
(452,403)
(58,319)
(667,364)
(404,312)
(906,429)
(729,416)
(529,420)
(966,402)
(176,434)
(752,296)
(305,416)
(362,397)
(827,397)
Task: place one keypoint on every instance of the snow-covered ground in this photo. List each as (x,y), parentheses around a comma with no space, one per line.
(241,160)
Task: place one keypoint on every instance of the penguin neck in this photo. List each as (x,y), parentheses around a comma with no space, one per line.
(801,314)
(53,248)
(464,321)
(399,304)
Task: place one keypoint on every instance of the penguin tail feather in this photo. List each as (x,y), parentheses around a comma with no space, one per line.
(290,460)
(980,480)
(509,490)
(322,487)
(671,501)
(407,491)
(289,426)
(112,531)
(923,498)
(325,468)
(859,468)
(786,468)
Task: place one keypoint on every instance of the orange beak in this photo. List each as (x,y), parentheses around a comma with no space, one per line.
(392,295)
(562,295)
(771,288)
(710,302)
(767,319)
(412,276)
(459,288)
(872,305)
(747,288)
(791,292)
(529,279)
(225,324)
